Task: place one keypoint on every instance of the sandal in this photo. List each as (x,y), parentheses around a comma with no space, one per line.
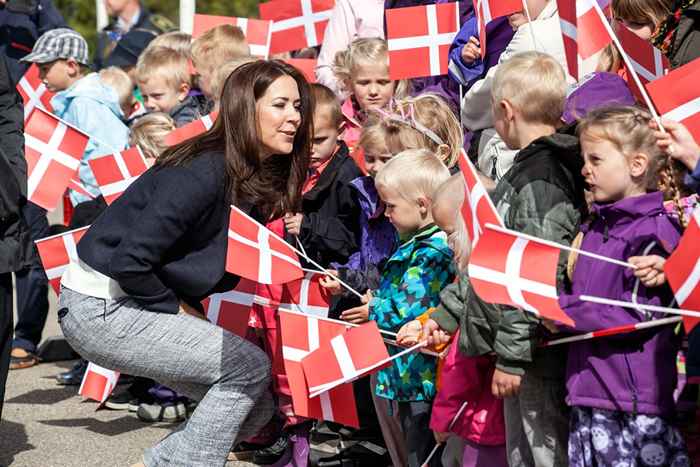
(20,358)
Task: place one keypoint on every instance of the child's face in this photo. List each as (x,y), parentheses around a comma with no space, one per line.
(406,216)
(374,162)
(159,96)
(371,85)
(607,171)
(643,31)
(58,75)
(325,137)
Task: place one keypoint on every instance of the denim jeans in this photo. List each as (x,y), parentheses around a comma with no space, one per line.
(227,374)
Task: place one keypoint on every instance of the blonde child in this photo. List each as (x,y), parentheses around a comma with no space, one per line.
(410,283)
(119,80)
(621,388)
(176,40)
(214,48)
(164,79)
(363,71)
(219,77)
(149,133)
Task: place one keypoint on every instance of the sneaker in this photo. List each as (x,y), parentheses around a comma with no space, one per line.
(124,400)
(244,451)
(272,453)
(176,412)
(20,358)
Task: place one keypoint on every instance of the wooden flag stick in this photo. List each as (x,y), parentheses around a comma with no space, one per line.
(614,331)
(452,423)
(336,321)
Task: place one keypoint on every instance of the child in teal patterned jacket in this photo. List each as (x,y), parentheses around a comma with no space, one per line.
(411,283)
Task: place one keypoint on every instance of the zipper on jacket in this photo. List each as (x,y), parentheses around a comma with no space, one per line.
(634,386)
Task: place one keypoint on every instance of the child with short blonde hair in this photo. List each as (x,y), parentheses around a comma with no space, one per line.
(177,40)
(214,48)
(216,83)
(119,80)
(149,132)
(164,79)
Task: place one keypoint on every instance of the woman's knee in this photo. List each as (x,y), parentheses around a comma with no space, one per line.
(248,365)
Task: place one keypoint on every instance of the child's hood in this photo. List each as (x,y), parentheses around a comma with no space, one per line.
(89,87)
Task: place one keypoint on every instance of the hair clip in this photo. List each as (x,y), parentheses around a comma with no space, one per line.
(411,121)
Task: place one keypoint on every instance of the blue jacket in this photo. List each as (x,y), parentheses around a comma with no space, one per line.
(635,372)
(94,109)
(20,26)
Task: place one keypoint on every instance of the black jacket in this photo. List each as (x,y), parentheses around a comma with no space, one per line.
(164,239)
(15,242)
(330,230)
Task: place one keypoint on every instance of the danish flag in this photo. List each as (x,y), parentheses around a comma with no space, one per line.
(301,335)
(231,310)
(510,270)
(34,92)
(191,130)
(477,208)
(258,254)
(647,60)
(677,98)
(306,295)
(98,383)
(57,251)
(53,150)
(297,24)
(75,185)
(419,39)
(583,31)
(347,357)
(682,270)
(115,172)
(306,65)
(257,32)
(488,10)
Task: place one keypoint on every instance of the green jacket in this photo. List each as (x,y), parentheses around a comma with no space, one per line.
(411,282)
(542,195)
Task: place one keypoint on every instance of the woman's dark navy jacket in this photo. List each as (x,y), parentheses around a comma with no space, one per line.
(164,239)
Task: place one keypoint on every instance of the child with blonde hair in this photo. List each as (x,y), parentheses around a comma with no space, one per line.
(164,79)
(219,77)
(149,133)
(363,71)
(214,48)
(621,389)
(176,40)
(119,80)
(410,283)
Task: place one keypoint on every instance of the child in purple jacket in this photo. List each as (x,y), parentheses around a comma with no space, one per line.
(621,388)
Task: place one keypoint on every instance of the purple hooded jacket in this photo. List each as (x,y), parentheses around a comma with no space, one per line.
(634,372)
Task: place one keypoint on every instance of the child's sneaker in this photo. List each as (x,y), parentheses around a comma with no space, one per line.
(165,412)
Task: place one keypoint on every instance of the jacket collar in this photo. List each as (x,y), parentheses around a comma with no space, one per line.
(629,209)
(367,196)
(330,172)
(430,235)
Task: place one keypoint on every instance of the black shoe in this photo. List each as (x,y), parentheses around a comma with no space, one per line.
(272,453)
(124,400)
(74,376)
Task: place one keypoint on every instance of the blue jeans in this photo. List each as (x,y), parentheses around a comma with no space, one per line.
(227,374)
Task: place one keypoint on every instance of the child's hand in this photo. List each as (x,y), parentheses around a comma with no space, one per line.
(330,283)
(505,384)
(292,222)
(433,334)
(359,314)
(186,309)
(650,269)
(677,142)
(550,326)
(440,437)
(471,51)
(410,333)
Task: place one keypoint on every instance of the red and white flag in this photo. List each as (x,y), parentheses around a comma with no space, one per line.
(191,130)
(306,65)
(258,32)
(511,270)
(306,295)
(75,185)
(231,310)
(57,251)
(297,24)
(115,172)
(347,357)
(256,253)
(98,383)
(676,96)
(33,91)
(488,10)
(583,31)
(301,335)
(477,208)
(419,39)
(682,270)
(647,60)
(53,150)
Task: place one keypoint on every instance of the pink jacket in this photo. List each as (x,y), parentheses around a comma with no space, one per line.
(350,19)
(468,379)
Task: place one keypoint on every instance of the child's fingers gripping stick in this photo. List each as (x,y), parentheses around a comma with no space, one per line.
(410,333)
(471,51)
(357,315)
(649,269)
(331,284)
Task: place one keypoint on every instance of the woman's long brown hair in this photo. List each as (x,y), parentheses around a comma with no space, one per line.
(273,185)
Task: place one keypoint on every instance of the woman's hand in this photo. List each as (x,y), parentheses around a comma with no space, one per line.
(677,142)
(186,309)
(434,335)
(410,333)
(330,283)
(359,314)
(649,269)
(292,222)
(471,51)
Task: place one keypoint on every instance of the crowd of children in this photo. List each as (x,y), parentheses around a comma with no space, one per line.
(571,162)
